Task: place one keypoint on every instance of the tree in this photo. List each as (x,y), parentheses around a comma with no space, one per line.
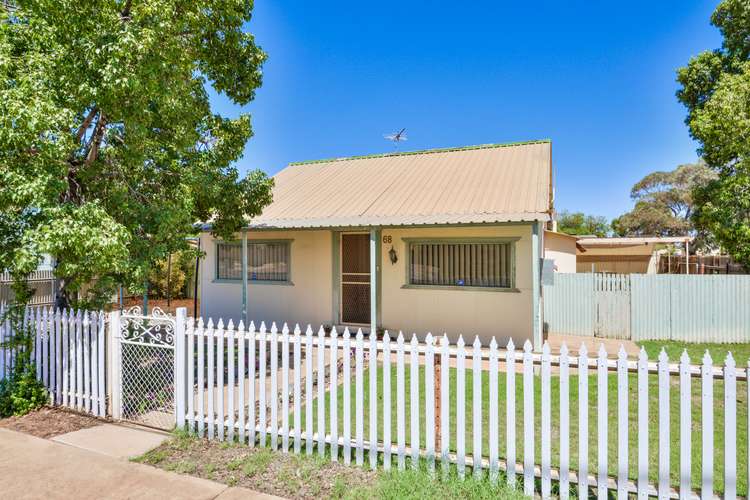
(664,202)
(109,149)
(715,89)
(579,223)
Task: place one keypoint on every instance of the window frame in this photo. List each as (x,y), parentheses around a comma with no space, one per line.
(286,241)
(408,242)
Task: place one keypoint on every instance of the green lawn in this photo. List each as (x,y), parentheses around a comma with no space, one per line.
(574,416)
(718,352)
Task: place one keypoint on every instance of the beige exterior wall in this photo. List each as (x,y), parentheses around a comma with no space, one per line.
(307,300)
(635,259)
(561,249)
(455,311)
(503,314)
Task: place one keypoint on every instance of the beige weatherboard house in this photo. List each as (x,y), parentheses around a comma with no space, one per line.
(442,241)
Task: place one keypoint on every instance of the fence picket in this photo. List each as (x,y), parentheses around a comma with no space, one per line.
(663,369)
(564,423)
(321,391)
(220,332)
(44,339)
(94,394)
(359,427)
(622,423)
(528,419)
(86,353)
(201,378)
(347,396)
(400,411)
(686,425)
(643,424)
(429,389)
(309,390)
(546,431)
(210,334)
(510,414)
(334,407)
(707,426)
(602,420)
(386,401)
(476,412)
(59,360)
(231,380)
(240,379)
(460,407)
(297,389)
(37,357)
(65,356)
(493,423)
(273,397)
(251,417)
(730,427)
(583,421)
(444,402)
(79,360)
(285,388)
(414,403)
(262,377)
(373,373)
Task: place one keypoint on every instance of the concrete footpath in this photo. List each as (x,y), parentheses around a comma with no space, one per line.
(32,467)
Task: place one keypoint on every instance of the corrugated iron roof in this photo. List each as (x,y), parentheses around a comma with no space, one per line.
(632,241)
(478,184)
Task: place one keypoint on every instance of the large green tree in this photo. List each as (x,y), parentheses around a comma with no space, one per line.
(580,224)
(715,89)
(664,202)
(109,149)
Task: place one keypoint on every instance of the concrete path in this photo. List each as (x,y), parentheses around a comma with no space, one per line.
(114,440)
(32,468)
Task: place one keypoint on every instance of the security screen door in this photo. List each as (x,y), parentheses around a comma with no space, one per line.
(355,278)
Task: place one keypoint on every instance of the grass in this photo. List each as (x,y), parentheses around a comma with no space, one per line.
(303,476)
(612,431)
(718,352)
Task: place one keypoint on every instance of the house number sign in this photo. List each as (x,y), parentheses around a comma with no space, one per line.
(387,239)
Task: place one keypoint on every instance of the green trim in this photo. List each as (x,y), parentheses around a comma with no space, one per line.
(426,151)
(287,241)
(364,229)
(458,240)
(468,288)
(375,278)
(336,275)
(536,288)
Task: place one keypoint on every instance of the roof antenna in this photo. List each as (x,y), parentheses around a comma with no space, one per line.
(397,137)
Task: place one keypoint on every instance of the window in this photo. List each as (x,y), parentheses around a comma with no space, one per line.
(266,261)
(487,264)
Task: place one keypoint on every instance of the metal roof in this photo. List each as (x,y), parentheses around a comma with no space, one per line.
(637,240)
(470,185)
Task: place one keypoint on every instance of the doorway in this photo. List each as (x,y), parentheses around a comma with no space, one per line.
(355,278)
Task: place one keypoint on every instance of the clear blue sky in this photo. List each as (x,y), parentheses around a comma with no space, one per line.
(595,77)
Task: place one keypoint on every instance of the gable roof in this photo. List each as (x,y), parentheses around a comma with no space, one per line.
(477,184)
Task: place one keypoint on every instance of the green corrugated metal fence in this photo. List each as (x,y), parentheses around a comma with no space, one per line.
(695,308)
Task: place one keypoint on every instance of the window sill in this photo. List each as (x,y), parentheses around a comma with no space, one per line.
(468,288)
(255,282)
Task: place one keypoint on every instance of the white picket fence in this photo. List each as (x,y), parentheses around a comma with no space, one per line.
(257,384)
(69,354)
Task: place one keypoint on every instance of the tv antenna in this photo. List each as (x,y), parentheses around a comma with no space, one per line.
(397,137)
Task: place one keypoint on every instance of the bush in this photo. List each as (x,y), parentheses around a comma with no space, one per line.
(21,393)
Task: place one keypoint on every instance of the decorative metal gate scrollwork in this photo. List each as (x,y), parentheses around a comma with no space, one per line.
(146,360)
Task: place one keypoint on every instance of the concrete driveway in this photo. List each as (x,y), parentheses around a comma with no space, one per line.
(31,467)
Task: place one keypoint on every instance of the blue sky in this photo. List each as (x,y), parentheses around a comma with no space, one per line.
(596,77)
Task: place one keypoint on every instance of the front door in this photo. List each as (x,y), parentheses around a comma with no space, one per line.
(355,278)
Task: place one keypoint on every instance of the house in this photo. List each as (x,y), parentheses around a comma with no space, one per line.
(444,240)
(635,255)
(561,249)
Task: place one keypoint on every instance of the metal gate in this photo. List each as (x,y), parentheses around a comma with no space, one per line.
(145,351)
(612,306)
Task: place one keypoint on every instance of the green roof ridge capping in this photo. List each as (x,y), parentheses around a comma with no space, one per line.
(425,151)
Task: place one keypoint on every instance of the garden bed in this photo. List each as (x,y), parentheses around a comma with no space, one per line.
(49,422)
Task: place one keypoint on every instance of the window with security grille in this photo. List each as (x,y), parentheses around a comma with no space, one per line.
(266,261)
(461,264)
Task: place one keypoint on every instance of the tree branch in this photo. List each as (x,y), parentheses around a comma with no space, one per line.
(96,140)
(86,124)
(125,14)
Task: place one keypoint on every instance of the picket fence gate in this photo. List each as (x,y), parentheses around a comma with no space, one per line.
(228,391)
(68,353)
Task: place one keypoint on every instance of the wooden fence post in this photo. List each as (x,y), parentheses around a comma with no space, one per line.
(180,366)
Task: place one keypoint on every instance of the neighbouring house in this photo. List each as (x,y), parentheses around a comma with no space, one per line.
(445,240)
(636,255)
(562,250)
